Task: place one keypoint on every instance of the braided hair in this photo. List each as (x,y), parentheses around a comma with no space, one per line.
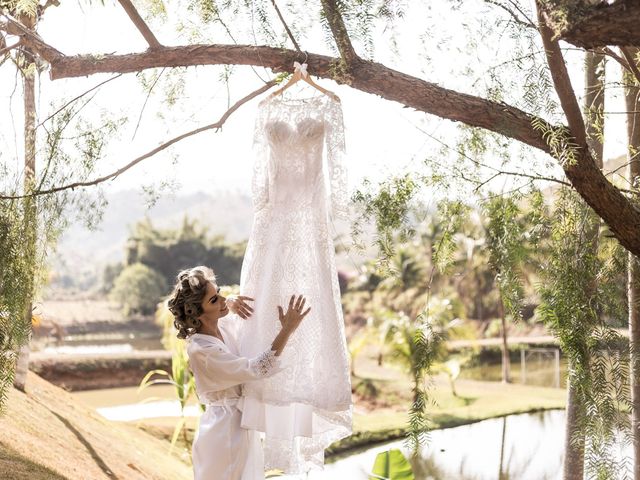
(185,301)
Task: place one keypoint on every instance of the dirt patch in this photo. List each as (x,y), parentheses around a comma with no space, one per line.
(52,435)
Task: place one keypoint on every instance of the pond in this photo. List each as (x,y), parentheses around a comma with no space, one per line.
(525,446)
(99,343)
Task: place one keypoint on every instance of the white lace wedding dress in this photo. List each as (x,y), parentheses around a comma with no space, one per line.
(299,180)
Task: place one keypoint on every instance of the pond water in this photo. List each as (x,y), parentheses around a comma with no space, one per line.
(116,342)
(542,374)
(524,447)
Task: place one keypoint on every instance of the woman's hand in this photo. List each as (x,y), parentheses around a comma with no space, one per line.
(294,315)
(237,304)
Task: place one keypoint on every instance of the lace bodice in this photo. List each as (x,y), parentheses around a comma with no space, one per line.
(290,137)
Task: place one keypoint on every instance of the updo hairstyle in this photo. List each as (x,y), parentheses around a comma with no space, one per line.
(185,302)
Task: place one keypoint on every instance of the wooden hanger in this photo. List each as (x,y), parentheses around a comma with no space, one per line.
(300,73)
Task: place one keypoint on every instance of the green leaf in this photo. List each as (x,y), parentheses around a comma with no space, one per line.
(392,465)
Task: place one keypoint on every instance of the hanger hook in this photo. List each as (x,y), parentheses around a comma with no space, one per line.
(306,56)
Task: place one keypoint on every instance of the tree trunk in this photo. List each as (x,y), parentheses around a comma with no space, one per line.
(574,438)
(632,91)
(593,108)
(28,70)
(506,378)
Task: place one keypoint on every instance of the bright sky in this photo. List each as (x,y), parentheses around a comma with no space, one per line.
(382,137)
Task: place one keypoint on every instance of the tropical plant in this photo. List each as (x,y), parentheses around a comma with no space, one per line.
(391,465)
(180,376)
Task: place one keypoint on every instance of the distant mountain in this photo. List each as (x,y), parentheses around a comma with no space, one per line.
(82,254)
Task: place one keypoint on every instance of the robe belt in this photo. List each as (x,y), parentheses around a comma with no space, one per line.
(226,402)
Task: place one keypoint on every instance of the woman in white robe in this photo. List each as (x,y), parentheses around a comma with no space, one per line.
(222,449)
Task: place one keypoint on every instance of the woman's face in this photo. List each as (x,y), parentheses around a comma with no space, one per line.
(214,306)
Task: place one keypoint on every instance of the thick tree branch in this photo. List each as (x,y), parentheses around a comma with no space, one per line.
(606,23)
(585,176)
(159,148)
(339,31)
(561,80)
(140,23)
(608,201)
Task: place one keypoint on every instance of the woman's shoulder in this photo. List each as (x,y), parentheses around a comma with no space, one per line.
(199,342)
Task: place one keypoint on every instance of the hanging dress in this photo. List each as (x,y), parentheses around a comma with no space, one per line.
(299,181)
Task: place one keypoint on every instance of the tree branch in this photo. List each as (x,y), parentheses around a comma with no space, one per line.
(30,38)
(159,148)
(585,176)
(606,23)
(140,23)
(561,80)
(339,31)
(286,27)
(608,201)
(633,67)
(10,47)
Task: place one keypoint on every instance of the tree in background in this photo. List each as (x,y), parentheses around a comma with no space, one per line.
(168,251)
(138,289)
(504,241)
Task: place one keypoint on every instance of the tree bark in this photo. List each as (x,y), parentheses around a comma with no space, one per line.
(573,437)
(506,377)
(632,100)
(593,109)
(28,70)
(602,24)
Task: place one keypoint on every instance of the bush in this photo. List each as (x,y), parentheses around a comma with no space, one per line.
(138,289)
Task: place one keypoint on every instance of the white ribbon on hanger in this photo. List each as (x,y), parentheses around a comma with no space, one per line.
(302,68)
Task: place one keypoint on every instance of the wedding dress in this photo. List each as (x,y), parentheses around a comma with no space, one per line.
(299,180)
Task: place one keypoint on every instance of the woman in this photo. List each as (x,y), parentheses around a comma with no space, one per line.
(222,449)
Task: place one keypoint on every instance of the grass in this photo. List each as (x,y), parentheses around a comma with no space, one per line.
(382,414)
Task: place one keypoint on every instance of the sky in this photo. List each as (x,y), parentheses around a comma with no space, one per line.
(382,137)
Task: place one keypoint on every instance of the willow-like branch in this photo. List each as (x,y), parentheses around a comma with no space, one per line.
(286,27)
(217,125)
(9,48)
(140,23)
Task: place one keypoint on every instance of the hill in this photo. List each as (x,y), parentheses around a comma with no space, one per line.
(47,434)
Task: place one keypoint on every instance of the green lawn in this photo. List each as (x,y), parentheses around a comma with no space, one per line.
(387,397)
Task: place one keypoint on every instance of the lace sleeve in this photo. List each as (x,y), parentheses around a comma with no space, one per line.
(335,148)
(224,369)
(264,364)
(260,178)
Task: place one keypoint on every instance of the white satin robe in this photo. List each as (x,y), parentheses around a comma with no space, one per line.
(222,449)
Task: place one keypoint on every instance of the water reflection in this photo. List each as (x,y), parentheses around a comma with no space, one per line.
(522,447)
(89,349)
(139,411)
